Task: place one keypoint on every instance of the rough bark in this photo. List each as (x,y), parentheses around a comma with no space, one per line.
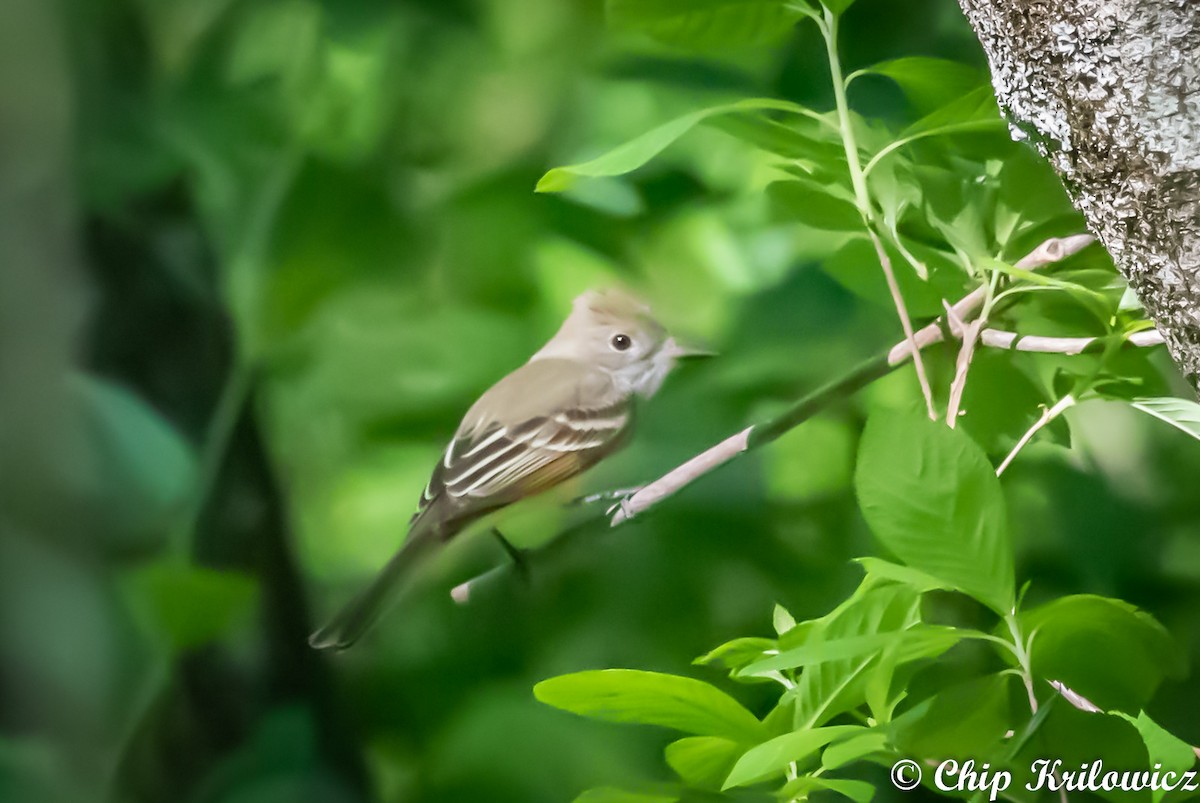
(1109,91)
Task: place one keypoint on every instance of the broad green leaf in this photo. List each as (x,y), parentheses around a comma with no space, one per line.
(853,749)
(822,206)
(771,757)
(652,698)
(1183,414)
(962,721)
(705,24)
(929,83)
(189,606)
(1077,738)
(931,497)
(635,153)
(1162,747)
(858,791)
(608,794)
(703,761)
(1105,649)
(915,579)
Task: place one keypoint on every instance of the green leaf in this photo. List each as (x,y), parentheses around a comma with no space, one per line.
(652,698)
(189,606)
(771,757)
(962,721)
(703,761)
(822,206)
(855,266)
(704,24)
(737,653)
(1105,649)
(858,791)
(833,687)
(782,620)
(1162,747)
(1183,414)
(608,794)
(929,83)
(906,575)
(931,497)
(973,111)
(924,638)
(635,153)
(854,749)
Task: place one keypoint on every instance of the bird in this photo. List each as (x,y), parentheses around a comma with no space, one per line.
(566,409)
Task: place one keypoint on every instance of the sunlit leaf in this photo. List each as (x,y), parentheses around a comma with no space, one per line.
(771,757)
(858,791)
(924,638)
(931,497)
(629,695)
(635,153)
(918,580)
(833,687)
(703,761)
(1162,746)
(737,653)
(853,749)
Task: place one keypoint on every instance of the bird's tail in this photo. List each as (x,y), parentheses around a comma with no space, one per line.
(352,621)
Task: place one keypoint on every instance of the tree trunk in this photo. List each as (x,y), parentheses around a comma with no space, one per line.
(1109,92)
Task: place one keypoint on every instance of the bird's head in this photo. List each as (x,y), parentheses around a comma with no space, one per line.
(615,331)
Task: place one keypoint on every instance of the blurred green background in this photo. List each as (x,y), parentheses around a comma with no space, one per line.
(256,259)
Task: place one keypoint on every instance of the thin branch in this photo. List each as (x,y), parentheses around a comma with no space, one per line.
(905,321)
(999,339)
(969,334)
(1047,416)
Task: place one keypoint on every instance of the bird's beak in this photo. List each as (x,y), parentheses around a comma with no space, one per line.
(677,351)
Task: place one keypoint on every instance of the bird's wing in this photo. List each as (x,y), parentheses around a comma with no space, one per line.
(492,462)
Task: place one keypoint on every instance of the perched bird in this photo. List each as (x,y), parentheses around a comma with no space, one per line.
(557,415)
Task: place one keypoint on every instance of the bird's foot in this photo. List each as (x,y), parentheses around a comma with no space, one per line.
(620,495)
(622,505)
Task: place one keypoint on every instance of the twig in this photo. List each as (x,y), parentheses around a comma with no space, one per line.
(999,339)
(905,321)
(1046,417)
(969,333)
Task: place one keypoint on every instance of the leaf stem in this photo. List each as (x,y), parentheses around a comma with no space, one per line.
(1023,661)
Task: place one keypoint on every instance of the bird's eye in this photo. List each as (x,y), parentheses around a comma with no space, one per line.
(621,342)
